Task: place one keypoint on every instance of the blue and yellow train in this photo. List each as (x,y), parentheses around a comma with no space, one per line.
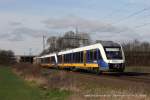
(103,56)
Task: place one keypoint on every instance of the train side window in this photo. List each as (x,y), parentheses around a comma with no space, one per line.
(65,58)
(88,55)
(68,58)
(47,60)
(52,59)
(81,56)
(43,60)
(60,58)
(78,57)
(74,57)
(71,57)
(91,55)
(98,54)
(95,54)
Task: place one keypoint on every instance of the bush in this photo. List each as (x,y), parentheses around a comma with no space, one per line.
(7,57)
(28,69)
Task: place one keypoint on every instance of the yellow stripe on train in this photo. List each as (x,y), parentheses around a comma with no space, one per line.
(87,65)
(47,65)
(91,65)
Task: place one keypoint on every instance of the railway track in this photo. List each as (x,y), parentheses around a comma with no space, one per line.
(138,79)
(128,76)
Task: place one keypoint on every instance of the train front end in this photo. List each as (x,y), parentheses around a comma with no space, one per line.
(113,57)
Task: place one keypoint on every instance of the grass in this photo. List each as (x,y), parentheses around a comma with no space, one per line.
(13,87)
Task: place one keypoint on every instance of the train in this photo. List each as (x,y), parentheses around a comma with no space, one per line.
(102,56)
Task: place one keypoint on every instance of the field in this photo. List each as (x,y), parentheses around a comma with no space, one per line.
(13,87)
(111,86)
(74,85)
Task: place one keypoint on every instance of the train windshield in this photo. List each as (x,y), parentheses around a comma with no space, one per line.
(113,52)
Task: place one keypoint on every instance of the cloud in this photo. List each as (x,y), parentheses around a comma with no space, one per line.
(21,33)
(82,24)
(96,28)
(15,23)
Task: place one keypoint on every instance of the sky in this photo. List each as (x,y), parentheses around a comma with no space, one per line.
(24,22)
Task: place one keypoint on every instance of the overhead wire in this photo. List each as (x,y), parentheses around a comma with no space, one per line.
(132,15)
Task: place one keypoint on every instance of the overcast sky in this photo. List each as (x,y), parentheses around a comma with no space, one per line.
(23,22)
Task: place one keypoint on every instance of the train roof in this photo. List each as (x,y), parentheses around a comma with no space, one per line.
(100,44)
(94,46)
(48,55)
(108,43)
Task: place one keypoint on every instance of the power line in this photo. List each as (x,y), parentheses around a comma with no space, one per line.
(115,11)
(143,25)
(137,27)
(132,15)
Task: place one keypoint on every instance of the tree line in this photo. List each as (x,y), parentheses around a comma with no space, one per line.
(68,41)
(136,53)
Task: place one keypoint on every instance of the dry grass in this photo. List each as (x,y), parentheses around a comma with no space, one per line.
(31,73)
(83,86)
